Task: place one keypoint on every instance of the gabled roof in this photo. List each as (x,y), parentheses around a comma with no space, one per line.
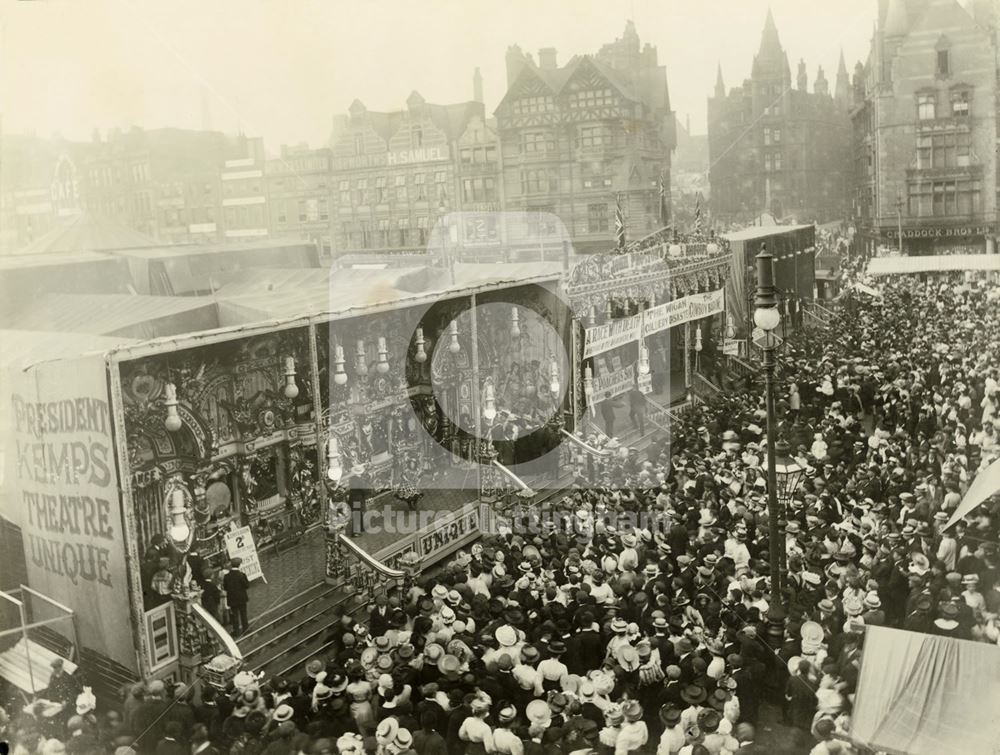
(556,79)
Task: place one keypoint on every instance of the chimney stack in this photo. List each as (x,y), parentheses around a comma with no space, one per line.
(477,86)
(547,58)
(515,62)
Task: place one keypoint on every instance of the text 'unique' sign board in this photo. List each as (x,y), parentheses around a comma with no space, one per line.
(61,488)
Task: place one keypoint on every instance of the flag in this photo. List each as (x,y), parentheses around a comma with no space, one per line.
(619,223)
(664,209)
(697,214)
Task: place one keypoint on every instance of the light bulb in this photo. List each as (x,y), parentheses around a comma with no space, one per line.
(339,376)
(173,422)
(334,470)
(643,360)
(383,357)
(515,323)
(554,377)
(291,390)
(766,318)
(362,367)
(179,533)
(454,347)
(421,355)
(697,338)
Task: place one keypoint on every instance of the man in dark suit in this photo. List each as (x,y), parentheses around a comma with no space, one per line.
(583,646)
(237,586)
(360,485)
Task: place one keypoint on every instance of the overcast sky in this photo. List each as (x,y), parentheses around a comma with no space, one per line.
(281,69)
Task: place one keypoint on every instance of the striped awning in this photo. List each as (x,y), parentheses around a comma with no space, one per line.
(940,263)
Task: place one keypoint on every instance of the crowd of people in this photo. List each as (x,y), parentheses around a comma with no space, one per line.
(630,615)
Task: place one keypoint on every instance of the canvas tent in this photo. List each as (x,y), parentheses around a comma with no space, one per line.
(919,694)
(986,484)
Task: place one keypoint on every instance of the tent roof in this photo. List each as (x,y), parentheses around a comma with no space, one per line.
(25,347)
(933,263)
(762,231)
(158,251)
(251,301)
(106,314)
(24,261)
(87,232)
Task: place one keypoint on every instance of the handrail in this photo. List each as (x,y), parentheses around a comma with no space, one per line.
(744,365)
(660,415)
(711,386)
(510,475)
(583,444)
(368,560)
(49,600)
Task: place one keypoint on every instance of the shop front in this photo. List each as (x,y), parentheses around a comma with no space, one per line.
(933,239)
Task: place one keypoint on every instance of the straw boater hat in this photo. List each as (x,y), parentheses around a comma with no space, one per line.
(358,469)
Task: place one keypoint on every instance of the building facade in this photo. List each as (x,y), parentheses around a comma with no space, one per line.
(574,139)
(41,184)
(778,149)
(396,174)
(245,213)
(925,130)
(299,187)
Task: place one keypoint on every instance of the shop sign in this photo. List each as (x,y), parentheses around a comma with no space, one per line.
(645,383)
(424,155)
(959,231)
(240,544)
(732,347)
(448,535)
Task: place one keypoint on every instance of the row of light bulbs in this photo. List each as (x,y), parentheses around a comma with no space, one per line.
(173,422)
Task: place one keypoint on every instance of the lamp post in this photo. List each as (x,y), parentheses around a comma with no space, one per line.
(767,317)
(899,222)
(788,475)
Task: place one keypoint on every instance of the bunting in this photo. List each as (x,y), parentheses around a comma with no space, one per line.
(619,222)
(664,208)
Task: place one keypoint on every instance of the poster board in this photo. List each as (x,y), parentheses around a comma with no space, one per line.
(240,544)
(61,488)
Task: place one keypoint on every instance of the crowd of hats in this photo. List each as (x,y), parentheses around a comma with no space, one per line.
(633,614)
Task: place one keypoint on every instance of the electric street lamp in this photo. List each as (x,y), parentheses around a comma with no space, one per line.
(788,475)
(767,317)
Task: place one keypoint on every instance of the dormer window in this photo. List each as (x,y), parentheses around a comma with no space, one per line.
(942,56)
(942,63)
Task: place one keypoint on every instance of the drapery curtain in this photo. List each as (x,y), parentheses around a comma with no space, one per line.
(986,484)
(921,694)
(736,287)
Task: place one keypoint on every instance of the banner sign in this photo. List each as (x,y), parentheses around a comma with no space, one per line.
(616,333)
(614,383)
(449,534)
(240,544)
(61,488)
(611,335)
